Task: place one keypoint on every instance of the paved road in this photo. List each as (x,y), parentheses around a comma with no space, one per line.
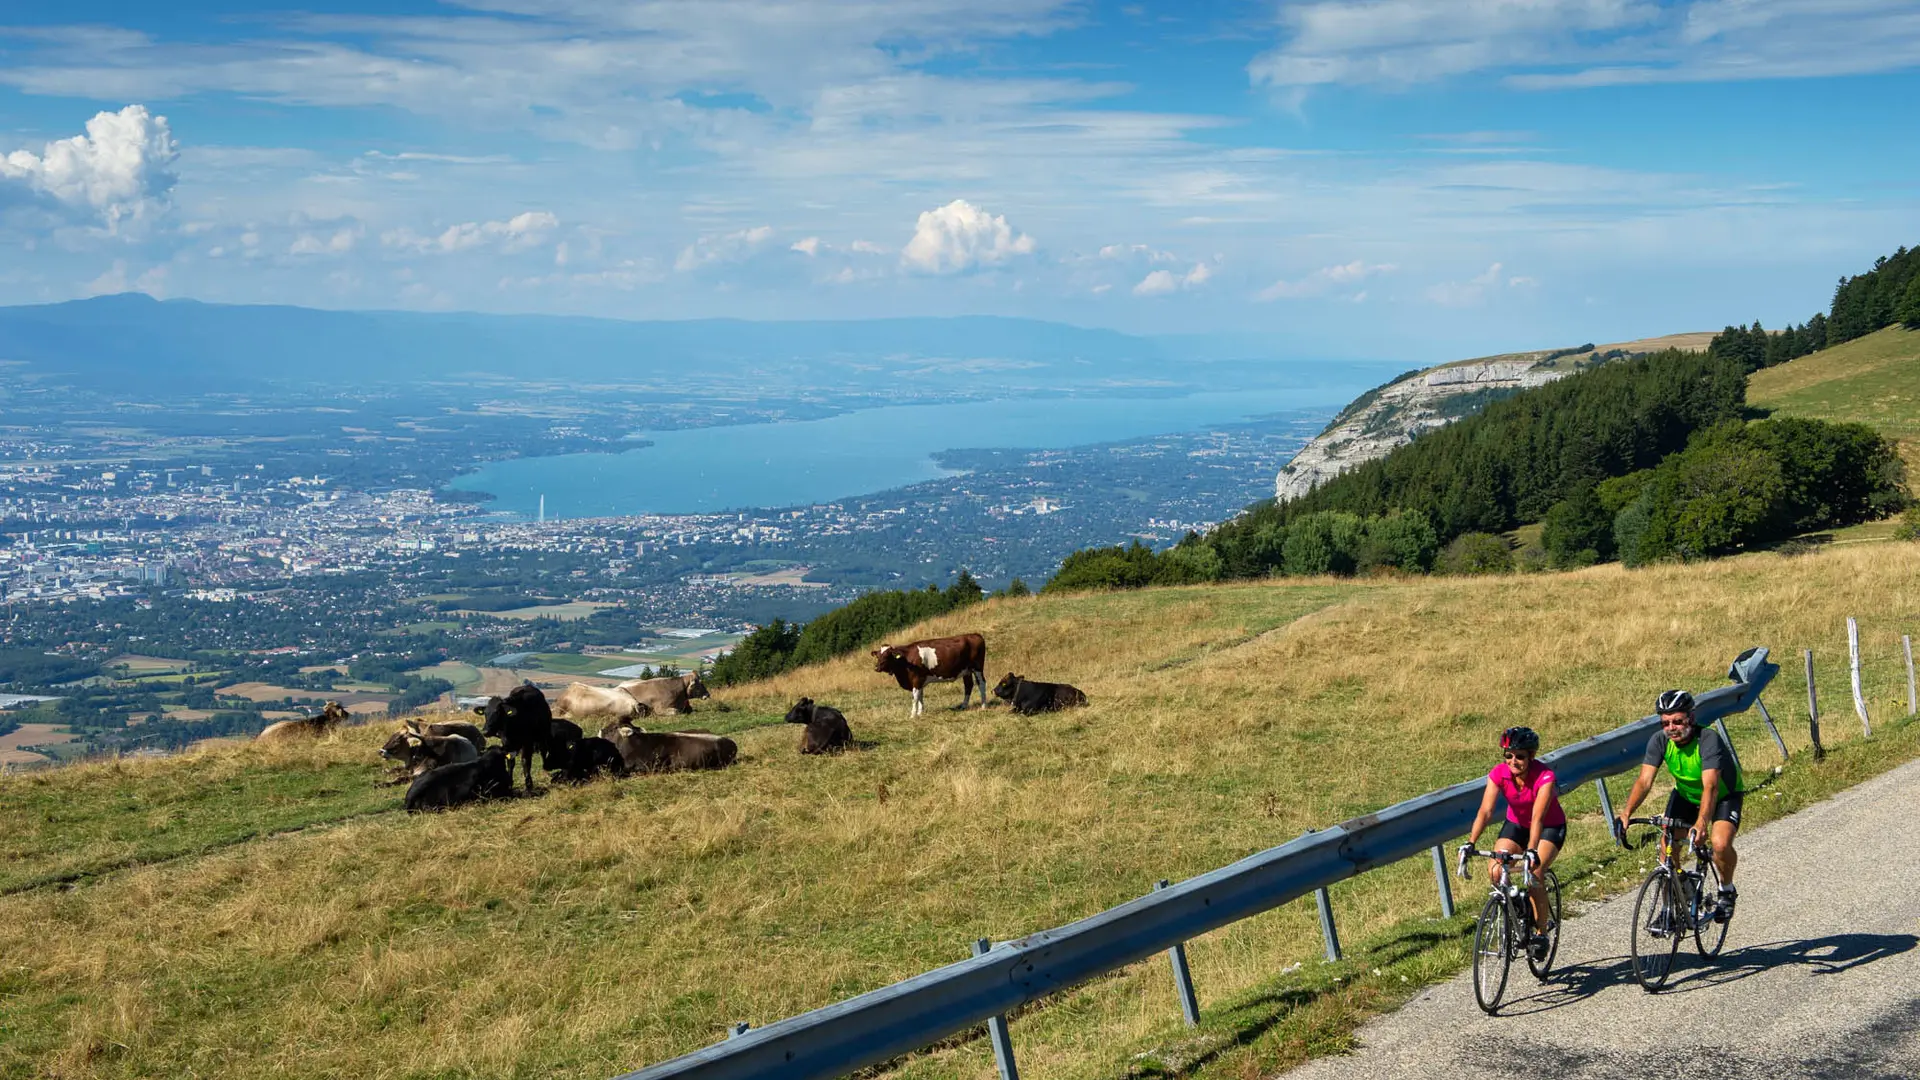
(1820,977)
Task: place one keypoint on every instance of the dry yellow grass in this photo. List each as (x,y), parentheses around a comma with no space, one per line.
(597,929)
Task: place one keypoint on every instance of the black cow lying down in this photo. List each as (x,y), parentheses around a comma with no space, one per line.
(827,730)
(669,751)
(579,761)
(1027,697)
(453,785)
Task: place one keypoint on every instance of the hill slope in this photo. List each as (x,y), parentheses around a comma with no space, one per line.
(592,930)
(1873,379)
(1372,425)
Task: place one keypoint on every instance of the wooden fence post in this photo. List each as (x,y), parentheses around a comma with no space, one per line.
(1813,711)
(1853,653)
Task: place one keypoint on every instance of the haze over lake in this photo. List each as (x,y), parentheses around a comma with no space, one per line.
(857,453)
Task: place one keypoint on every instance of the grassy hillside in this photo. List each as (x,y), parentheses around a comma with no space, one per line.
(1874,379)
(201,930)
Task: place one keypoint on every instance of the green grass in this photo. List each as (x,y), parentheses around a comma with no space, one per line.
(592,930)
(1874,380)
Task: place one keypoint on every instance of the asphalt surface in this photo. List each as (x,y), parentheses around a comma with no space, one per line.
(1819,978)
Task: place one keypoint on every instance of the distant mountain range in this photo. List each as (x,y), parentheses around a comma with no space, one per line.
(134,341)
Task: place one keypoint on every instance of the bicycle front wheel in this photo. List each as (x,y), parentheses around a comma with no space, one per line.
(1543,964)
(1491,954)
(1656,931)
(1708,933)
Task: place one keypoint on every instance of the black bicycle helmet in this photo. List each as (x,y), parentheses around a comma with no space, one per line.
(1519,738)
(1674,701)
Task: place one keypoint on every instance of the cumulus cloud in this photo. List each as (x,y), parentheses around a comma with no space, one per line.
(118,172)
(961,236)
(724,248)
(518,233)
(1160,282)
(1327,279)
(341,242)
(809,246)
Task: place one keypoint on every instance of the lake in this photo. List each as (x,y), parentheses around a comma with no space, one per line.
(704,470)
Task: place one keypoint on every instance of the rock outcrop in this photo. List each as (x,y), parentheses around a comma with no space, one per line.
(1420,401)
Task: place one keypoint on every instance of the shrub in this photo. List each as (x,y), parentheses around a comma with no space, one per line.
(1324,543)
(1115,567)
(1909,528)
(1476,553)
(1403,540)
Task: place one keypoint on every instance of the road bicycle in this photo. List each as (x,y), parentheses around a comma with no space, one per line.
(1674,901)
(1506,923)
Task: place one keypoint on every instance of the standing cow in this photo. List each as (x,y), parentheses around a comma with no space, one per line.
(827,731)
(918,663)
(1028,697)
(523,723)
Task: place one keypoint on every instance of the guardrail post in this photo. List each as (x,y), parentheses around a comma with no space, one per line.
(1853,665)
(1913,701)
(1726,739)
(1768,717)
(1606,801)
(1182,976)
(1440,878)
(1325,903)
(1813,711)
(997,1030)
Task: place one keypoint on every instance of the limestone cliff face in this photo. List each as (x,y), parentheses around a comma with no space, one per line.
(1394,414)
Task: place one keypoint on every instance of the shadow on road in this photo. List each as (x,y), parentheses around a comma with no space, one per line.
(1828,955)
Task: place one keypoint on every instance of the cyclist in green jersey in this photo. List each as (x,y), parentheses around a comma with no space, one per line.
(1708,789)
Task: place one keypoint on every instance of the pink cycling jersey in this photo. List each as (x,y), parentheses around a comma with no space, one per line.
(1520,796)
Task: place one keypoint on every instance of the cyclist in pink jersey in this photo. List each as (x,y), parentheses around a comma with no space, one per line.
(1535,823)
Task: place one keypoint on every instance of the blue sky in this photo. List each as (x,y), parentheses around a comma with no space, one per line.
(1412,179)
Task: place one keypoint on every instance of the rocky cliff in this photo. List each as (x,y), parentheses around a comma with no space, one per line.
(1419,401)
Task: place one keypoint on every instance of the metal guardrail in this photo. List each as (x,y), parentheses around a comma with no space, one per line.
(906,1016)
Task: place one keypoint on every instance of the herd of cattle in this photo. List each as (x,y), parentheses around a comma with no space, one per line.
(451,763)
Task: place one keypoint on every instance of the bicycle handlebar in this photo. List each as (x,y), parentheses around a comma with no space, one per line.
(1468,851)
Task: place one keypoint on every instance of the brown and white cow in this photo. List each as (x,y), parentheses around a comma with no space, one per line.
(668,696)
(582,702)
(311,727)
(669,751)
(918,663)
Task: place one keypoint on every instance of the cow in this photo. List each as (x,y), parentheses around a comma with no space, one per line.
(523,723)
(485,777)
(561,735)
(918,663)
(827,731)
(603,703)
(1028,697)
(667,696)
(578,761)
(669,751)
(419,753)
(310,727)
(469,732)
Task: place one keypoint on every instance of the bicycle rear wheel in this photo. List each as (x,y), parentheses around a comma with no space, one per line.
(1656,931)
(1708,934)
(1551,882)
(1491,954)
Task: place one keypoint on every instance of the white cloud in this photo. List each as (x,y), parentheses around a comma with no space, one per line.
(341,242)
(725,248)
(1325,280)
(119,171)
(518,233)
(1477,289)
(1547,44)
(960,236)
(1160,282)
(808,247)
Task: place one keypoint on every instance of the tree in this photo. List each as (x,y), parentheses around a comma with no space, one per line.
(1476,553)
(1402,540)
(1578,530)
(1909,310)
(1324,543)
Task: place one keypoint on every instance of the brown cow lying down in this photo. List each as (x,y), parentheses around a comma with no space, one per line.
(451,785)
(469,732)
(918,663)
(603,703)
(1028,697)
(669,695)
(827,730)
(312,726)
(422,752)
(669,751)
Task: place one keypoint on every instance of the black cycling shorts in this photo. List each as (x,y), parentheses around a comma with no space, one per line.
(1726,809)
(1551,834)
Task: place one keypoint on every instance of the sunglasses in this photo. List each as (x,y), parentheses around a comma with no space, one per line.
(1517,755)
